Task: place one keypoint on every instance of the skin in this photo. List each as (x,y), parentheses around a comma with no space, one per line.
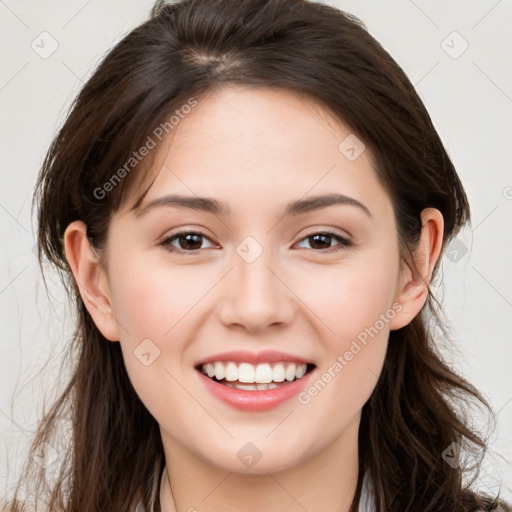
(255,150)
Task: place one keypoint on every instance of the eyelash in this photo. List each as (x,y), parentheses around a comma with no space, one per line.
(343,242)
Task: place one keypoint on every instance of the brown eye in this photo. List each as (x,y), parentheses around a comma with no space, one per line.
(188,241)
(191,241)
(321,241)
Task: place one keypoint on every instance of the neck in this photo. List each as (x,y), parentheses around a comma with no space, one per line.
(325,481)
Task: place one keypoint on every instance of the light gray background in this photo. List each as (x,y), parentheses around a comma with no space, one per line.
(468,94)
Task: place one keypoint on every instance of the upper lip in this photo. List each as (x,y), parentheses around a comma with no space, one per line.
(266,356)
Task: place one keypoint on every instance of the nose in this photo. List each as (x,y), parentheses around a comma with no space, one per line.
(256,295)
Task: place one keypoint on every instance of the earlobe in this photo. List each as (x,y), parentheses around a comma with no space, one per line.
(91,279)
(413,283)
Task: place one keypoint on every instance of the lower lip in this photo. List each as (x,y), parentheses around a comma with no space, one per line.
(255,400)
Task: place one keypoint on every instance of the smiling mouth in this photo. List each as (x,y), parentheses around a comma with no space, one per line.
(249,377)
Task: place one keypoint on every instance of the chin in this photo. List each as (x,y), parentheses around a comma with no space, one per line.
(257,458)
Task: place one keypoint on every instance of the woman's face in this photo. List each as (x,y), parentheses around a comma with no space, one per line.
(259,278)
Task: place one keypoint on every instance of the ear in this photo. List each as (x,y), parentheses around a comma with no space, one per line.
(412,291)
(91,279)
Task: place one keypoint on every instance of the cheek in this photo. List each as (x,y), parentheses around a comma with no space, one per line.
(350,298)
(344,382)
(353,306)
(157,307)
(149,300)
(151,306)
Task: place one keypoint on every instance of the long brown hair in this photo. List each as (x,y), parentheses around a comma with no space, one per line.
(420,406)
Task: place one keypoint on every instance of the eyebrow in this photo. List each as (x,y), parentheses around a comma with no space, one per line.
(209,205)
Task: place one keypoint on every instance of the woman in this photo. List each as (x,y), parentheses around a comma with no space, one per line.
(226,376)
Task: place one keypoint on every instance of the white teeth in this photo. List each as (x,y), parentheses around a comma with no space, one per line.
(246,387)
(231,372)
(290,373)
(278,373)
(253,387)
(220,371)
(246,373)
(210,370)
(301,371)
(262,374)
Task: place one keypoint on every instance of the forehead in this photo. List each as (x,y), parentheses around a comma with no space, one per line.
(240,143)
(258,127)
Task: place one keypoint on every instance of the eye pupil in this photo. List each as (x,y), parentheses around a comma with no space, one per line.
(187,244)
(315,237)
